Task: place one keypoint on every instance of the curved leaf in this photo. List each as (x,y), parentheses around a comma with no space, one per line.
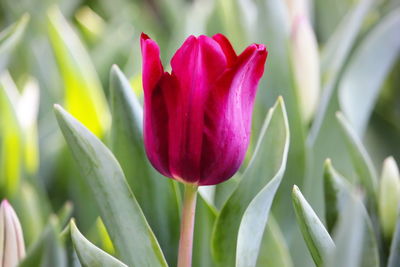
(317,238)
(374,59)
(128,228)
(81,84)
(335,190)
(256,215)
(338,194)
(274,250)
(205,219)
(154,193)
(10,37)
(266,161)
(48,251)
(333,58)
(361,160)
(90,255)
(394,255)
(11,139)
(349,236)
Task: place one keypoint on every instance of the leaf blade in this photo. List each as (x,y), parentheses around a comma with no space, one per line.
(256,215)
(89,255)
(274,134)
(154,193)
(117,205)
(374,58)
(317,238)
(361,160)
(81,83)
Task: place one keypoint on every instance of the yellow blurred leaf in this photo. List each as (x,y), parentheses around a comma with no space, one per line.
(84,97)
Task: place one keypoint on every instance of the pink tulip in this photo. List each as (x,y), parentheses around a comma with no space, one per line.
(197,118)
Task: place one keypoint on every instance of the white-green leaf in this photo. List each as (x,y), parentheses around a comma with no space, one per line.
(333,58)
(155,194)
(394,255)
(338,194)
(256,215)
(10,37)
(349,236)
(374,59)
(205,219)
(335,193)
(361,160)
(268,158)
(128,228)
(90,255)
(274,249)
(48,251)
(317,238)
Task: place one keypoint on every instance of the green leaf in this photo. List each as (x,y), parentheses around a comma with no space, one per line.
(10,37)
(334,57)
(317,238)
(32,211)
(324,139)
(341,41)
(27,110)
(268,158)
(205,219)
(394,255)
(361,160)
(64,214)
(81,84)
(374,58)
(274,250)
(338,194)
(90,255)
(11,142)
(128,228)
(349,236)
(155,194)
(48,250)
(256,215)
(335,190)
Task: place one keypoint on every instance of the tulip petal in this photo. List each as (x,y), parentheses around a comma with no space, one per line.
(227,119)
(18,234)
(196,66)
(152,66)
(13,248)
(155,113)
(227,48)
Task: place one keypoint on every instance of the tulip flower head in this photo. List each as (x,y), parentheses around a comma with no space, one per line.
(12,247)
(197,119)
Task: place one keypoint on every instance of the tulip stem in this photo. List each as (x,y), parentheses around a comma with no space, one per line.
(187,226)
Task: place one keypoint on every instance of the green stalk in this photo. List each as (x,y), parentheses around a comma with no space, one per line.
(187,226)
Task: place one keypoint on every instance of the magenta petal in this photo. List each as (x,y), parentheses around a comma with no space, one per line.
(227,119)
(155,110)
(152,68)
(226,46)
(196,66)
(197,119)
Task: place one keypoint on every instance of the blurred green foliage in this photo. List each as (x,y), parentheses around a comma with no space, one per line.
(62,51)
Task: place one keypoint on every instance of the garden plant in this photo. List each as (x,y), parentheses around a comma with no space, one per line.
(200,133)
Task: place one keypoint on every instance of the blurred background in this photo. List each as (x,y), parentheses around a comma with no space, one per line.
(324,57)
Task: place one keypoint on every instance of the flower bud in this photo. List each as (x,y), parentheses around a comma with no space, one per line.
(305,63)
(12,247)
(298,7)
(389,196)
